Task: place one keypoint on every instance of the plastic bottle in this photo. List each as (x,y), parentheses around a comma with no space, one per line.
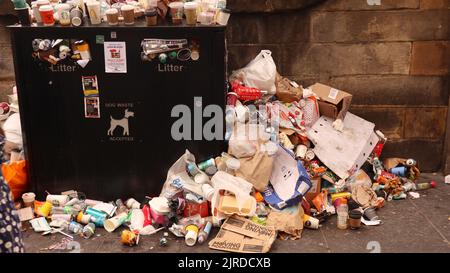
(204,233)
(426,185)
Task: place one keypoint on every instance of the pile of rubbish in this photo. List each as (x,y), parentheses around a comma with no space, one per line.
(296,158)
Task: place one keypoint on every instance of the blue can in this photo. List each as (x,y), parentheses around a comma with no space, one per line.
(399,171)
(98,217)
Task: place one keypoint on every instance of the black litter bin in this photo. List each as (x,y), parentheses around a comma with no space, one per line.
(117,143)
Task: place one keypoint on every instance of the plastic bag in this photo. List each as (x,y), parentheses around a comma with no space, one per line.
(259,73)
(245,140)
(178,178)
(235,185)
(15,174)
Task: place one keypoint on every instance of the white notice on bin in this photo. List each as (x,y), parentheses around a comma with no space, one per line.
(115,57)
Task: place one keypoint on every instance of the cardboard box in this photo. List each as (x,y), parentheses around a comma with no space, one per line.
(333,103)
(238,234)
(315,188)
(343,152)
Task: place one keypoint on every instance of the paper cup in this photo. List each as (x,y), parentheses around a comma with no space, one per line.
(112,16)
(46,12)
(190,10)
(128,14)
(94,12)
(28,198)
(57,200)
(63,11)
(191,235)
(176,10)
(111,224)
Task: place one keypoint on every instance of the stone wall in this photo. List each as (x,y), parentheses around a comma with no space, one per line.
(393,57)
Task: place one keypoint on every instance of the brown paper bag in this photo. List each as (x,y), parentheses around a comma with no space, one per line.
(256,170)
(289,222)
(287,91)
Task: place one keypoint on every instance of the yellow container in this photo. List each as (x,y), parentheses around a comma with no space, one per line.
(45,209)
(335,196)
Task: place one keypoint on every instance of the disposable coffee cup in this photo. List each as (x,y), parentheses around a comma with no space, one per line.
(223,16)
(151,17)
(132,204)
(57,200)
(111,224)
(176,10)
(28,199)
(190,10)
(191,235)
(36,14)
(93,8)
(76,16)
(354,220)
(63,11)
(112,16)
(24,16)
(46,12)
(128,14)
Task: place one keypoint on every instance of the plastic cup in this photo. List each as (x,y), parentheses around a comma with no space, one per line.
(63,11)
(94,12)
(36,14)
(342,216)
(151,17)
(111,224)
(28,199)
(176,9)
(190,10)
(223,16)
(112,16)
(46,12)
(24,16)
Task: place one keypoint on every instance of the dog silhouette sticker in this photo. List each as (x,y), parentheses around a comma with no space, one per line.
(120,122)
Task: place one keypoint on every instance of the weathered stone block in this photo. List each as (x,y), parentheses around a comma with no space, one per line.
(430,58)
(6,89)
(5,51)
(345,59)
(425,122)
(428,153)
(394,90)
(269,28)
(434,4)
(380,26)
(388,120)
(250,6)
(332,5)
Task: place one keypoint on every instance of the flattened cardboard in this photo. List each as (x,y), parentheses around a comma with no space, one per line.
(238,234)
(343,152)
(333,103)
(315,188)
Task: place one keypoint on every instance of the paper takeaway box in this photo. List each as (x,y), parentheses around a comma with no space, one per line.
(333,103)
(343,152)
(239,234)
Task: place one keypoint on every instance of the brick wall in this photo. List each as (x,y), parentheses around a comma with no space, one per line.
(393,57)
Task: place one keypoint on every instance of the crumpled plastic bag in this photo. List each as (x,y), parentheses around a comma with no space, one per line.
(235,185)
(259,73)
(178,178)
(245,139)
(15,175)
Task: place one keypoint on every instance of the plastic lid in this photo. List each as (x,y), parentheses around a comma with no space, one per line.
(271,148)
(63,6)
(190,5)
(233,163)
(42,2)
(176,5)
(111,11)
(151,12)
(127,7)
(45,8)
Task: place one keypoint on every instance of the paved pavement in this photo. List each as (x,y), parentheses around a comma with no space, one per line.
(420,225)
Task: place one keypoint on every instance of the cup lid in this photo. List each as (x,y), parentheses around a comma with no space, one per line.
(151,12)
(45,8)
(63,6)
(127,7)
(176,5)
(42,2)
(111,11)
(190,5)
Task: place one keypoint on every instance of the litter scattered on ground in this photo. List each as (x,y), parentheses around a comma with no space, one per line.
(296,157)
